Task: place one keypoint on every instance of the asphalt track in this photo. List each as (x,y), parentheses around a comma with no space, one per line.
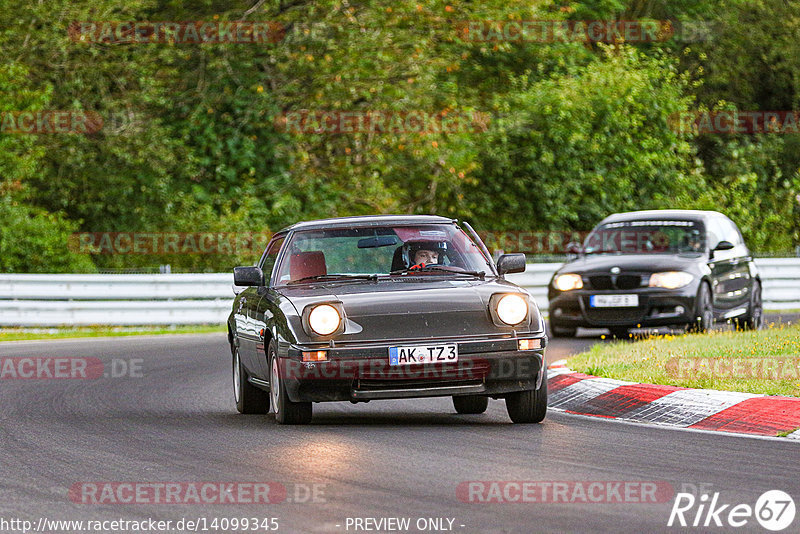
(174,421)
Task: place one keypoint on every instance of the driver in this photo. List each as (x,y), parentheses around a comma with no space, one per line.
(695,241)
(424,256)
(425,253)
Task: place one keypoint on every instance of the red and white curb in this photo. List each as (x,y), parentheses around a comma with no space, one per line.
(706,409)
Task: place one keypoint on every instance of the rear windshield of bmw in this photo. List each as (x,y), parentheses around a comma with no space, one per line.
(647,237)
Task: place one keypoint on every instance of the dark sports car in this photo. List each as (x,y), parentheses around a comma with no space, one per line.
(677,268)
(384,307)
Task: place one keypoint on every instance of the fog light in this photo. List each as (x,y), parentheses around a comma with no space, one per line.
(315,356)
(529,344)
(679,310)
(558,312)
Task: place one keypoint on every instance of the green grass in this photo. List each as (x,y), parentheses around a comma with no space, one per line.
(701,360)
(18,334)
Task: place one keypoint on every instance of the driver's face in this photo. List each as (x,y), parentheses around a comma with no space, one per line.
(426,257)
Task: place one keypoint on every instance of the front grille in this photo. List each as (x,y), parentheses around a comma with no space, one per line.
(622,281)
(628,281)
(601,282)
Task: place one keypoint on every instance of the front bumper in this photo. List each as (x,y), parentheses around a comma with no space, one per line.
(657,307)
(361,372)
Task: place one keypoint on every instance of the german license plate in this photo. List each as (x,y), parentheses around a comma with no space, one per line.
(614,301)
(415,354)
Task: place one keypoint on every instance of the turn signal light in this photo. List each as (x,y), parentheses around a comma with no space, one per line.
(529,344)
(315,356)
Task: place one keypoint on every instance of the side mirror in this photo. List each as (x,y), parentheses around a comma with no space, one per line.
(573,248)
(248,276)
(724,245)
(511,263)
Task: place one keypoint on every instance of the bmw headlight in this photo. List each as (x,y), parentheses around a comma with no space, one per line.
(324,319)
(568,282)
(670,279)
(512,309)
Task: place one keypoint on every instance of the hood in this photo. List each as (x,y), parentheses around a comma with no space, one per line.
(641,263)
(408,308)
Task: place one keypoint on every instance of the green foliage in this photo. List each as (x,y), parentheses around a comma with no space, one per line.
(572,149)
(32,241)
(750,183)
(192,143)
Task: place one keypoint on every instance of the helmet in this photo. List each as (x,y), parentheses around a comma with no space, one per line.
(410,249)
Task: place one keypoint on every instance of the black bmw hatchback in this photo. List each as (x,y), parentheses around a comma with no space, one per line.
(677,268)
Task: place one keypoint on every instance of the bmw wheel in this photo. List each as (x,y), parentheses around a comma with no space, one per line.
(754,319)
(704,312)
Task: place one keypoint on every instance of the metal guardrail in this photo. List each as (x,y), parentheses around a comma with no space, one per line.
(158,299)
(114,299)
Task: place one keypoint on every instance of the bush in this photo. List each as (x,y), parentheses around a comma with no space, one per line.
(35,241)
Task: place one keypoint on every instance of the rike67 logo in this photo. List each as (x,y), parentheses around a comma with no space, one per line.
(774,510)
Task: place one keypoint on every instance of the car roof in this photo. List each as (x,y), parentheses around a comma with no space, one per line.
(646,215)
(369,220)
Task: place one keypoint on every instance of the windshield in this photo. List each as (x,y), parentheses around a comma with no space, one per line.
(383,250)
(646,237)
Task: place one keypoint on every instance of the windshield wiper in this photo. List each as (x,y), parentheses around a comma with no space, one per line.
(441,268)
(332,277)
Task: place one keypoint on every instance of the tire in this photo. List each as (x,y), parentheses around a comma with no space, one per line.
(528,406)
(562,332)
(249,399)
(286,411)
(620,333)
(754,320)
(703,311)
(470,404)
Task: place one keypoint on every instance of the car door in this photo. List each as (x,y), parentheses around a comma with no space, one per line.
(718,263)
(263,310)
(248,326)
(245,330)
(729,268)
(739,281)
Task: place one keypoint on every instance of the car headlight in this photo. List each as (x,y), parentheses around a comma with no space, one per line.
(324,319)
(670,279)
(568,282)
(512,309)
